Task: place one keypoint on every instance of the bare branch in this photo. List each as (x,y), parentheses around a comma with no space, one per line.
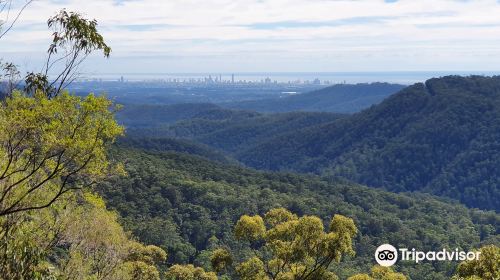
(16,18)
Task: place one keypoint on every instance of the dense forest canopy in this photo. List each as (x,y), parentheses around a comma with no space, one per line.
(231,131)
(189,205)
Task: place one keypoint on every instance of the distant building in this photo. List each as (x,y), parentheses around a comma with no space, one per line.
(232,79)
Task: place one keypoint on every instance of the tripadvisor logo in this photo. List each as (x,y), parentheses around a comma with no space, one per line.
(388,255)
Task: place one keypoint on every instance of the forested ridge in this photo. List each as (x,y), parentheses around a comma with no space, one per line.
(228,131)
(341,98)
(440,137)
(189,205)
(143,115)
(176,145)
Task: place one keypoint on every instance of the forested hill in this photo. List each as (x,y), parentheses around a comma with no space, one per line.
(176,145)
(340,98)
(228,130)
(441,137)
(143,115)
(188,205)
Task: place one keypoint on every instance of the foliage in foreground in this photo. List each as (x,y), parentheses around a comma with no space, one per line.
(379,273)
(286,246)
(49,147)
(188,272)
(486,268)
(51,151)
(75,238)
(53,147)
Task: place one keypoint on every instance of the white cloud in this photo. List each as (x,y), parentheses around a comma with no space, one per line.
(292,35)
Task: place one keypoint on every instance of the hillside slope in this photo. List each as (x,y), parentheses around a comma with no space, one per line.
(231,130)
(338,98)
(175,145)
(235,134)
(441,137)
(143,115)
(187,205)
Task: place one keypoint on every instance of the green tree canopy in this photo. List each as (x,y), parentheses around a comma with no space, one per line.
(188,272)
(379,273)
(486,268)
(51,146)
(220,259)
(291,247)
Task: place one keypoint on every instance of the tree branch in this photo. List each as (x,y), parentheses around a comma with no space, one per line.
(15,20)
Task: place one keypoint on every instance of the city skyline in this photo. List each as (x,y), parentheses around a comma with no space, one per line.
(216,79)
(323,78)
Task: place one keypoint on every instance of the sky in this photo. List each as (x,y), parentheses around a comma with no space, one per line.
(186,36)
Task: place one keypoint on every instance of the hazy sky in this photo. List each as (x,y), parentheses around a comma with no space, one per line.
(273,35)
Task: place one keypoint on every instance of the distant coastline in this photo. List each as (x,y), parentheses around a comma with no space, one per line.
(400,77)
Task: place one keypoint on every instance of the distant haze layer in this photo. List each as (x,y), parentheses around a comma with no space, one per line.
(403,77)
